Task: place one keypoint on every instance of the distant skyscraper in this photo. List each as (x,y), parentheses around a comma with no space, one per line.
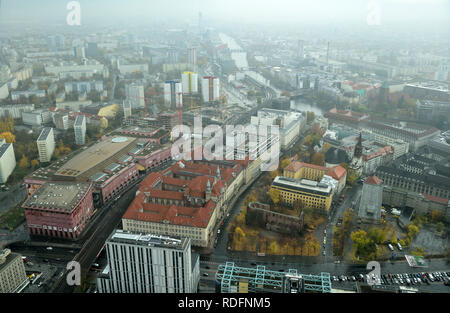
(79,52)
(200,22)
(300,50)
(172,56)
(55,43)
(210,89)
(80,130)
(442,72)
(145,263)
(192,56)
(135,94)
(189,81)
(172,93)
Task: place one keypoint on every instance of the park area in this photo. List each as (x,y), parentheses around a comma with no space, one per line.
(12,218)
(243,235)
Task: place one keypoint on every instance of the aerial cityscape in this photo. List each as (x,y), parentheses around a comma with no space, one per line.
(224,147)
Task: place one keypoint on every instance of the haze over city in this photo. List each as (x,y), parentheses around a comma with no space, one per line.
(240,146)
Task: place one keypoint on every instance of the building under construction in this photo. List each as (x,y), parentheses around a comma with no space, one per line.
(234,279)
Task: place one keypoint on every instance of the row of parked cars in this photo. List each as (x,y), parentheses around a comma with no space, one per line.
(399,279)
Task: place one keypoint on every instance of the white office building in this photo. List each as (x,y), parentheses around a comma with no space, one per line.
(145,263)
(127,111)
(134,93)
(210,89)
(290,124)
(46,144)
(7,160)
(80,130)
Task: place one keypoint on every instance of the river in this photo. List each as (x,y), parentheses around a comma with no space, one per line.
(240,58)
(299,104)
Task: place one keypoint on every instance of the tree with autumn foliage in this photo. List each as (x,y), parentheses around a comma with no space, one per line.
(318,159)
(8,136)
(275,195)
(24,163)
(34,163)
(6,125)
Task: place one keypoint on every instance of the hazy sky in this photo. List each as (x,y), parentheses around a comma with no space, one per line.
(250,11)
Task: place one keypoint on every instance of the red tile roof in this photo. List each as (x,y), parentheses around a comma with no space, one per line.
(373,180)
(174,181)
(176,215)
(166,194)
(337,172)
(152,186)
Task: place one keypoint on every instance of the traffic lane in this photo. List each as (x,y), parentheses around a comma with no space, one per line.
(274,262)
(43,253)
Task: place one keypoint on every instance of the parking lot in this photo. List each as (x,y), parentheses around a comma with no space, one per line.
(420,280)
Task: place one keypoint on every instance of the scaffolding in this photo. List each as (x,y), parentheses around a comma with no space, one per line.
(232,278)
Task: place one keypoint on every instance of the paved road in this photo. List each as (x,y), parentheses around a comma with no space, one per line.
(9,199)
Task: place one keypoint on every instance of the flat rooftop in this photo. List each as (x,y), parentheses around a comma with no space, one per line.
(94,155)
(61,196)
(127,237)
(303,185)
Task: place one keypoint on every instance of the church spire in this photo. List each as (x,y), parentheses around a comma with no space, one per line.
(358,147)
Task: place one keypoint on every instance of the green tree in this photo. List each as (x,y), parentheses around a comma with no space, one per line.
(364,246)
(440,227)
(310,116)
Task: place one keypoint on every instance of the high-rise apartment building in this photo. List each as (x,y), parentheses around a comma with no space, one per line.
(172,93)
(145,263)
(46,144)
(189,81)
(192,56)
(7,160)
(80,130)
(210,89)
(134,93)
(61,121)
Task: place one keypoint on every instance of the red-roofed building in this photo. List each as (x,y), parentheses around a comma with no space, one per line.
(185,200)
